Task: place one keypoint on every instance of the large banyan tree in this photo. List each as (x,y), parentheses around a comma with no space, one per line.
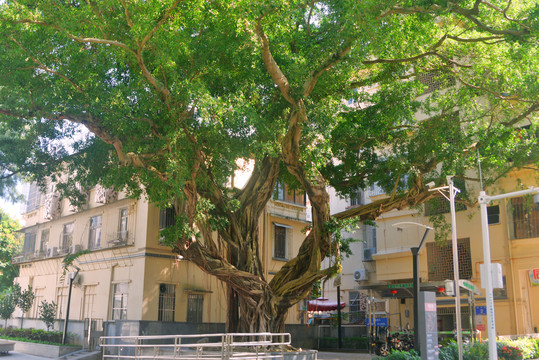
(162,97)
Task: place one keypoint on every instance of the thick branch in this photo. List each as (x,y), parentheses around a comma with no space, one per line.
(271,65)
(332,61)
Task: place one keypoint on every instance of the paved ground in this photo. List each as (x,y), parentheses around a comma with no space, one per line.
(18,356)
(326,355)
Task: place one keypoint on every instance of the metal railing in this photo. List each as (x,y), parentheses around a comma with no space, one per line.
(206,346)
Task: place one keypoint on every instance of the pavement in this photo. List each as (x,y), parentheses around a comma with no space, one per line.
(327,355)
(13,355)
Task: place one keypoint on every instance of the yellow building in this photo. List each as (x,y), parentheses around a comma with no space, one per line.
(383,268)
(125,273)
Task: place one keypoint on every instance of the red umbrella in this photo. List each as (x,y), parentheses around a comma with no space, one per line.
(323,304)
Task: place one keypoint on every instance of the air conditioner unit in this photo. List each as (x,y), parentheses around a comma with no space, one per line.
(73,249)
(360,274)
(52,251)
(368,253)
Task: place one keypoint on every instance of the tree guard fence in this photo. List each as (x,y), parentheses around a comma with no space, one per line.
(205,346)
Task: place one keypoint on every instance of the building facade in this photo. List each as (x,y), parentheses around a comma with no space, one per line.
(124,272)
(381,267)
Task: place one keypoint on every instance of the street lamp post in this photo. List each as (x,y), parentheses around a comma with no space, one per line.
(415,258)
(71,279)
(452,190)
(484,200)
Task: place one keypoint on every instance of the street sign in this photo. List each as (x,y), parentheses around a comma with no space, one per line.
(378,322)
(480,310)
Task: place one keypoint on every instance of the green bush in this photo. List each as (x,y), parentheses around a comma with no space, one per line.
(401,355)
(529,346)
(54,337)
(508,352)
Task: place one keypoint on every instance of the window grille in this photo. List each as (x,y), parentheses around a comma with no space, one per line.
(525,218)
(167,218)
(280,243)
(435,80)
(440,260)
(195,303)
(167,302)
(89,301)
(493,214)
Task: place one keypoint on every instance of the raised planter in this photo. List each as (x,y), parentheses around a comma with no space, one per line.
(50,351)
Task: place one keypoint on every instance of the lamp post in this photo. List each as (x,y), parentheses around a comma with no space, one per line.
(484,200)
(415,258)
(452,192)
(72,277)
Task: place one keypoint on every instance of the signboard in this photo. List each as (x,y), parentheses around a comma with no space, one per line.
(400,286)
(480,310)
(378,322)
(428,326)
(534,276)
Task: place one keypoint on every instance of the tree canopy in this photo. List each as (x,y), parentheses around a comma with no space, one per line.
(319,93)
(10,245)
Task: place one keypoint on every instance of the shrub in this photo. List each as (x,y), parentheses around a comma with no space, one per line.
(508,352)
(32,334)
(401,355)
(528,346)
(47,312)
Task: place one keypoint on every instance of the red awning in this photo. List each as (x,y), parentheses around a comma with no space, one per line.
(323,304)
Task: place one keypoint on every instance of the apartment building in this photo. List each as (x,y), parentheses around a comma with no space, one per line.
(381,267)
(124,273)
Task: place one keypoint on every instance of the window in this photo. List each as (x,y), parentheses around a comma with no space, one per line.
(369,241)
(89,301)
(44,241)
(435,80)
(167,300)
(440,260)
(122,225)
(501,293)
(119,301)
(280,241)
(195,304)
(167,218)
(493,214)
(39,297)
(355,197)
(29,242)
(33,200)
(525,218)
(61,302)
(67,236)
(357,306)
(283,193)
(94,237)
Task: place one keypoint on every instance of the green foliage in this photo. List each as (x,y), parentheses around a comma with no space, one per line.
(401,355)
(10,244)
(173,94)
(26,299)
(47,313)
(35,335)
(7,306)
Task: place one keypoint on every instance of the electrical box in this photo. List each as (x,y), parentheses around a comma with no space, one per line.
(449,287)
(497,276)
